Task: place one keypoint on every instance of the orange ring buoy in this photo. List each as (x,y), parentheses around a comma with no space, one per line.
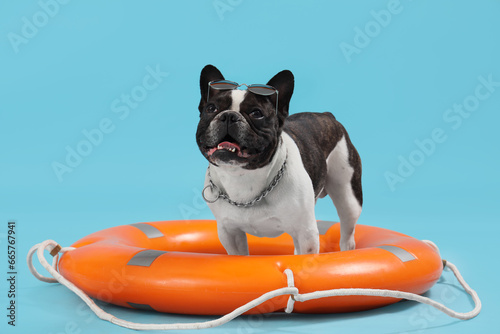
(181,267)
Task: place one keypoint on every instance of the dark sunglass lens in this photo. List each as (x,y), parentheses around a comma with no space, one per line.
(262,89)
(223,85)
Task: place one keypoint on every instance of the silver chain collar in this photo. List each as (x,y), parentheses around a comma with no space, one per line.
(225,197)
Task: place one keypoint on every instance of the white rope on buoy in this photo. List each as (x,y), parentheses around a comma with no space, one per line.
(402,295)
(290,290)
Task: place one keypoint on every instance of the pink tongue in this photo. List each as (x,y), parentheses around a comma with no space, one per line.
(211,151)
(227,144)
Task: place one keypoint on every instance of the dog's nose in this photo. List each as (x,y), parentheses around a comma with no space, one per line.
(229,117)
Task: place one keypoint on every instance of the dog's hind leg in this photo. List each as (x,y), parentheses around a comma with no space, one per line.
(343,185)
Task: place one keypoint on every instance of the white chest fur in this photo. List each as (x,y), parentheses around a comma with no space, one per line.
(281,211)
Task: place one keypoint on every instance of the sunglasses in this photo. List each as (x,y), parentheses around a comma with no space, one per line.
(264,90)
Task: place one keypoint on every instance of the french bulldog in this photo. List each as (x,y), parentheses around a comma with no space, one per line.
(267,169)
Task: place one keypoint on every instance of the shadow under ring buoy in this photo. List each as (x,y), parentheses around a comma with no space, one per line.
(181,267)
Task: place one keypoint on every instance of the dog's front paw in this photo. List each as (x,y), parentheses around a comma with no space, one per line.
(348,244)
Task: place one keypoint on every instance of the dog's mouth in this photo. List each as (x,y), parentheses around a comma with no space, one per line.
(228,146)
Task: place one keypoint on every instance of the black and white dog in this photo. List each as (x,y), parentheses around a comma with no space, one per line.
(267,169)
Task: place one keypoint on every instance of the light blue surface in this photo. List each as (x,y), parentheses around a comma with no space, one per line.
(69,74)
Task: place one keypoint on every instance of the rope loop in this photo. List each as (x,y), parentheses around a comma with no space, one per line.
(294,296)
(291,283)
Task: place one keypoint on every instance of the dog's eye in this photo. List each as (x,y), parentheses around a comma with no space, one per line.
(211,108)
(256,113)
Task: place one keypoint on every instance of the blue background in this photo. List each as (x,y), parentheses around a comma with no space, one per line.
(65,75)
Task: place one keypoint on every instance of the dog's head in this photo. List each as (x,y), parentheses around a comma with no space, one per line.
(238,127)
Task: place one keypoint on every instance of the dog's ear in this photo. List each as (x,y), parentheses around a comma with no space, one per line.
(209,73)
(284,83)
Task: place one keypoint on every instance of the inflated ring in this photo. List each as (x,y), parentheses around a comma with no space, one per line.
(181,267)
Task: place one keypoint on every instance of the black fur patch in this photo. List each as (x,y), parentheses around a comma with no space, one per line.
(323,133)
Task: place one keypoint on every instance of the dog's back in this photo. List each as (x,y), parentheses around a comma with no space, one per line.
(324,132)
